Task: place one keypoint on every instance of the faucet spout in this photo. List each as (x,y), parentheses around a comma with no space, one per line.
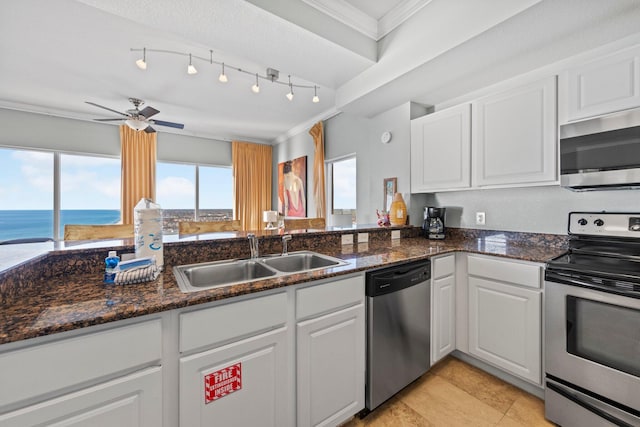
(253,245)
(285,239)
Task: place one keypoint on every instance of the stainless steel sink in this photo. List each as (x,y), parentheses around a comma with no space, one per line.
(210,275)
(296,262)
(196,277)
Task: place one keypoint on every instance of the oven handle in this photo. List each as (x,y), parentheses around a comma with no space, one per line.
(551,276)
(597,411)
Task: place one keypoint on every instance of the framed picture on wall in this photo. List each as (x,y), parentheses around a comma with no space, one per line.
(292,187)
(390,188)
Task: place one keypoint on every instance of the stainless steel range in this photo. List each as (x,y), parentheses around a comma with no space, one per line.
(592,323)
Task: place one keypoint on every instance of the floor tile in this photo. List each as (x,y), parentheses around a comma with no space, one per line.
(528,411)
(483,386)
(393,413)
(443,404)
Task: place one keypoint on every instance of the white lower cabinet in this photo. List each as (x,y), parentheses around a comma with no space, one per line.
(443,307)
(243,383)
(330,352)
(131,401)
(505,315)
(101,376)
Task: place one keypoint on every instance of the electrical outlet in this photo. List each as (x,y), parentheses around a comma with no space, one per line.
(395,234)
(363,237)
(347,239)
(480,218)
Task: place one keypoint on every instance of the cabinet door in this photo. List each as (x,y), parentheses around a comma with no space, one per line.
(264,393)
(330,367)
(443,326)
(514,136)
(131,401)
(603,86)
(441,150)
(505,327)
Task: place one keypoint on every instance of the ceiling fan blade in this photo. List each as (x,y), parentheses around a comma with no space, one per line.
(109,120)
(106,108)
(168,124)
(148,112)
(149,129)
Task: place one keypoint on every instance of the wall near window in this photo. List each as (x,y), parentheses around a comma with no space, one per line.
(30,130)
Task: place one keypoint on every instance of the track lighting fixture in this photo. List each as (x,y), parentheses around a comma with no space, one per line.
(142,62)
(271,74)
(290,94)
(190,68)
(256,87)
(223,77)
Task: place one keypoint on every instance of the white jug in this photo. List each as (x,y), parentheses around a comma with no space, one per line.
(147,219)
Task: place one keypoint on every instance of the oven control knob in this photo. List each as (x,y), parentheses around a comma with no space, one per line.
(598,222)
(582,222)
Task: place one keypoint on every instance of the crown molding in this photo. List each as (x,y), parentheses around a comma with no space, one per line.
(325,115)
(348,15)
(396,16)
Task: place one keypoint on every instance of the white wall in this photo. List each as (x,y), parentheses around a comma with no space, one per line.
(531,209)
(29,130)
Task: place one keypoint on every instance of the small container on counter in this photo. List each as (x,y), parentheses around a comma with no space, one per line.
(111,262)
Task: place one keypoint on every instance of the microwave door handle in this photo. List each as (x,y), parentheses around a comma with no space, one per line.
(589,407)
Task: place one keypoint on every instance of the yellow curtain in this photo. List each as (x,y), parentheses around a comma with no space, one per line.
(138,177)
(317,133)
(252,175)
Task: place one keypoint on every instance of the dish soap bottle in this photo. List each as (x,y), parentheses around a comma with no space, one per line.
(398,211)
(111,262)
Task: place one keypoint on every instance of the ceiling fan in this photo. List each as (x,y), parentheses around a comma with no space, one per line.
(138,119)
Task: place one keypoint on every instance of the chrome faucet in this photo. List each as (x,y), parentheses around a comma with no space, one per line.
(285,239)
(253,245)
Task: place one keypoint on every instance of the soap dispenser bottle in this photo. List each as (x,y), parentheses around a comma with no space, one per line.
(110,262)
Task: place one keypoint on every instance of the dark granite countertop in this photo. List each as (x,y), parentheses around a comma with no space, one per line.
(80,300)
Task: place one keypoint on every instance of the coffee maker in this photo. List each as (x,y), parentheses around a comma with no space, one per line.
(433,225)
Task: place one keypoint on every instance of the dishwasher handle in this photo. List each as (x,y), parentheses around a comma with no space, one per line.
(381,282)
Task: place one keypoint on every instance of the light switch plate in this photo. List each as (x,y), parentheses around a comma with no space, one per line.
(395,234)
(480,218)
(363,237)
(347,239)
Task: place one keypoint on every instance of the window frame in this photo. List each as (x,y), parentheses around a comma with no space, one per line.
(329,168)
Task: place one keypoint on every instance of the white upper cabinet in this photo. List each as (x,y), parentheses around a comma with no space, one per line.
(606,85)
(514,136)
(441,150)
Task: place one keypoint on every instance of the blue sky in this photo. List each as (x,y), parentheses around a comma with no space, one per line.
(26,182)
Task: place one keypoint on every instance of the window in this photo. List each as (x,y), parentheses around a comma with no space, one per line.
(176,186)
(89,190)
(342,175)
(215,194)
(26,194)
(176,194)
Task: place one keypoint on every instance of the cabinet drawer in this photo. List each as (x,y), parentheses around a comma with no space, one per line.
(328,297)
(444,266)
(46,368)
(213,325)
(515,272)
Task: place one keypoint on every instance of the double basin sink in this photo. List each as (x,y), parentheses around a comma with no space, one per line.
(210,275)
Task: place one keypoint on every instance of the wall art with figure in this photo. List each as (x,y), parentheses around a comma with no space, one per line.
(292,187)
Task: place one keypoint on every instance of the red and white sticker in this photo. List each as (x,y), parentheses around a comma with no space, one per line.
(220,383)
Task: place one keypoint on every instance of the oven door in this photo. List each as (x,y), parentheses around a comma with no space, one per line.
(592,342)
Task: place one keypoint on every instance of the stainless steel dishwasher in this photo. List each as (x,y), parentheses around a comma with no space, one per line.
(398,329)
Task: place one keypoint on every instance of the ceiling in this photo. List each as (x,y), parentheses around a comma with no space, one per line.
(364,56)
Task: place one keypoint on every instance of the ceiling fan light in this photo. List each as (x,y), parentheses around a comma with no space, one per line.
(136,124)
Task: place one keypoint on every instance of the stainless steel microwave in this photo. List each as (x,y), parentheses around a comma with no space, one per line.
(601,153)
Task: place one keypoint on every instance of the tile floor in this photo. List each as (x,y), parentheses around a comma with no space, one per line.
(454,393)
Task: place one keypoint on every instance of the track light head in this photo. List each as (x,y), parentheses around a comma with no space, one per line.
(142,62)
(315,98)
(190,68)
(223,77)
(256,87)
